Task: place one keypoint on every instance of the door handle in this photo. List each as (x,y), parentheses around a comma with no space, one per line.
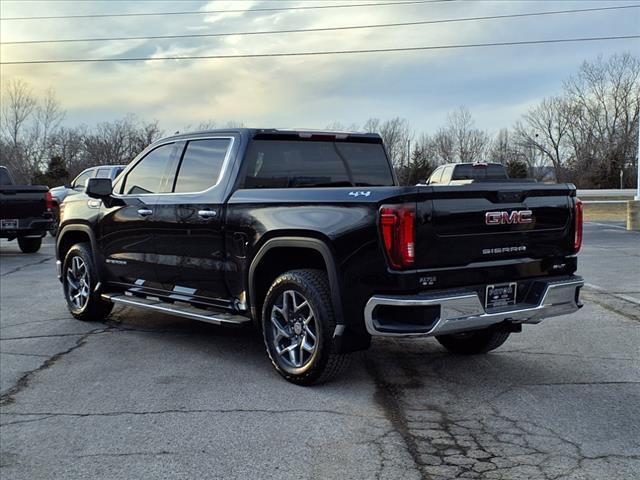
(144,212)
(207,214)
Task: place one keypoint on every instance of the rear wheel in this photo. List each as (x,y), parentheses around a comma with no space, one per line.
(297,325)
(29,244)
(473,343)
(79,281)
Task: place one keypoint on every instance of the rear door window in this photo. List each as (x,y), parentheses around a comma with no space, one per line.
(446,174)
(308,163)
(201,164)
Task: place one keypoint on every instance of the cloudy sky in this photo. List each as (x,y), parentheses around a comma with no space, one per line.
(497,84)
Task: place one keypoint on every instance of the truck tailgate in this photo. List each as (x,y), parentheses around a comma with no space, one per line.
(461,225)
(22,201)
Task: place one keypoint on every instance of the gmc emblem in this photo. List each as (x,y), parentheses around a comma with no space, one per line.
(508,218)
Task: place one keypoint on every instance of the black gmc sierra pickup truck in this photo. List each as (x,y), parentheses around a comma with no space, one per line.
(308,236)
(26,212)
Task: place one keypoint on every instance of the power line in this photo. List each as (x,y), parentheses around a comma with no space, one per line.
(323,29)
(325,52)
(200,12)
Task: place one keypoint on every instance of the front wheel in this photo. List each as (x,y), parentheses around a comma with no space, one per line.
(79,281)
(298,322)
(29,244)
(473,343)
(53,231)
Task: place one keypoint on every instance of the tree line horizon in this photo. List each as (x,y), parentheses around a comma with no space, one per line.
(587,135)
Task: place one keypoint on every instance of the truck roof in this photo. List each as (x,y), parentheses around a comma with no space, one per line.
(277,132)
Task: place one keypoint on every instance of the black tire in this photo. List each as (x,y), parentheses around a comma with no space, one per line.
(29,244)
(324,363)
(93,308)
(473,343)
(53,231)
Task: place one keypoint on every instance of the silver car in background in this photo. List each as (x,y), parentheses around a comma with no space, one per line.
(78,185)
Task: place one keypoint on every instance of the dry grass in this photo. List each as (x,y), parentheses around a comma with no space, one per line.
(606,212)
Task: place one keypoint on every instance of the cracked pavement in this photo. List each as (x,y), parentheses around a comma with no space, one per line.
(152,396)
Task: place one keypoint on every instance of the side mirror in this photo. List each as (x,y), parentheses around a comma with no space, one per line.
(100,188)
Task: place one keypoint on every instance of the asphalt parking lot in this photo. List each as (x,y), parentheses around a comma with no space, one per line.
(151,396)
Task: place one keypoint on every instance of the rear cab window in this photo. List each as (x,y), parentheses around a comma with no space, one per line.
(300,163)
(201,164)
(479,171)
(446,174)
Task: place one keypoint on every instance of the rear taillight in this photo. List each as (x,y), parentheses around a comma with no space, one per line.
(577,242)
(49,202)
(397,229)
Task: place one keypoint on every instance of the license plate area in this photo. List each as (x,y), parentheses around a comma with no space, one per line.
(500,295)
(10,224)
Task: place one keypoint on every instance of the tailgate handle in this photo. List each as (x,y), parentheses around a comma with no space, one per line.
(207,214)
(509,197)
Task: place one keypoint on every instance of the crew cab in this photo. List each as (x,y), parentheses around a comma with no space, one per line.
(25,212)
(309,237)
(461,173)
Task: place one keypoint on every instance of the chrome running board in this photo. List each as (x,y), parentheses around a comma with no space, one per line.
(180,310)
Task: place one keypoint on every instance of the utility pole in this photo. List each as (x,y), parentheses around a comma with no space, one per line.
(633,206)
(638,167)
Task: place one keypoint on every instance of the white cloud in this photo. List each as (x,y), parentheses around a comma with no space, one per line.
(497,84)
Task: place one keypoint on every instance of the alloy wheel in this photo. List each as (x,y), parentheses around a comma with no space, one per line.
(78,283)
(294,330)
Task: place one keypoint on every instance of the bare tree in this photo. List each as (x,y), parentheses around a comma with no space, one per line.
(69,144)
(27,127)
(546,129)
(445,146)
(119,141)
(502,149)
(48,116)
(605,101)
(372,125)
(470,142)
(396,134)
(18,106)
(213,124)
(422,162)
(341,127)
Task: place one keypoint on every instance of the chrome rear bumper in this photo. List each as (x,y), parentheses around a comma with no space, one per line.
(462,310)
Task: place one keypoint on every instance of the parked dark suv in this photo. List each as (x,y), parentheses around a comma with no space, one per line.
(308,236)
